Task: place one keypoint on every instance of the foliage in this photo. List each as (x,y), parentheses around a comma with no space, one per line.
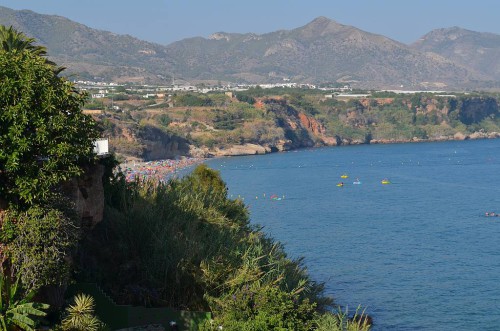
(40,242)
(80,316)
(225,120)
(120,97)
(12,40)
(298,100)
(340,321)
(16,312)
(164,120)
(263,308)
(185,244)
(94,104)
(245,98)
(262,132)
(43,132)
(192,100)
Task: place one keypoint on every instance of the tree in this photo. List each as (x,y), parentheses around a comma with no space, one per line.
(43,132)
(12,40)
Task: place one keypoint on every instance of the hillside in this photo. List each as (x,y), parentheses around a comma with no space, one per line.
(261,121)
(478,51)
(92,54)
(322,51)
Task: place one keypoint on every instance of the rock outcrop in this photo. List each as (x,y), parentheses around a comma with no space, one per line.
(87,193)
(246,149)
(161,145)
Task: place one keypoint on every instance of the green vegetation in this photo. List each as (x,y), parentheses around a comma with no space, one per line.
(193,100)
(80,316)
(43,132)
(341,321)
(38,261)
(18,310)
(185,244)
(14,41)
(45,139)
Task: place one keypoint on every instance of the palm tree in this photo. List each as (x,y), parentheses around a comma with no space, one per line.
(12,40)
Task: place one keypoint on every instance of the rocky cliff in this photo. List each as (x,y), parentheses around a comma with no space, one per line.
(87,193)
(162,145)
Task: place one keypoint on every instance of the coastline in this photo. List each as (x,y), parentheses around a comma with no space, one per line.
(268,150)
(162,169)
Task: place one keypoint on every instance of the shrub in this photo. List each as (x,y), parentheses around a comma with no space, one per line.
(80,316)
(39,244)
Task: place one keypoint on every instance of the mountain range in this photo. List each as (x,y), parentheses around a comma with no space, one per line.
(322,51)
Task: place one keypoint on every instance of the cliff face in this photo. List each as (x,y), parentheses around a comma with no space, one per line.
(161,145)
(289,119)
(317,130)
(87,193)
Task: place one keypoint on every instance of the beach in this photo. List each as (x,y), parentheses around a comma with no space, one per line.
(159,170)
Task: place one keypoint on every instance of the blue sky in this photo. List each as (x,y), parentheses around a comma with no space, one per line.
(166,21)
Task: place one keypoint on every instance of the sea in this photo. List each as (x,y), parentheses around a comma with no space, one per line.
(416,254)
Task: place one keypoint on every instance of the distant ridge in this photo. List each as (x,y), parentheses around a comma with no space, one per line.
(91,53)
(479,51)
(318,52)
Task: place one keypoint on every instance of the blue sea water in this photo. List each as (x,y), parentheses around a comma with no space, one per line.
(418,254)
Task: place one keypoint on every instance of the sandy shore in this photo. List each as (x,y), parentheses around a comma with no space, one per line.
(157,170)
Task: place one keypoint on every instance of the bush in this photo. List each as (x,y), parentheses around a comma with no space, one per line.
(340,321)
(263,308)
(39,243)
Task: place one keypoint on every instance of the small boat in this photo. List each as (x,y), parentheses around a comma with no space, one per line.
(385,181)
(344,176)
(356,182)
(340,184)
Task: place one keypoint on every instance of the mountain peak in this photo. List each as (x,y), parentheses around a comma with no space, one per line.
(321,20)
(321,23)
(320,26)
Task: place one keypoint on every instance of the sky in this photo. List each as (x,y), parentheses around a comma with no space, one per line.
(167,21)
